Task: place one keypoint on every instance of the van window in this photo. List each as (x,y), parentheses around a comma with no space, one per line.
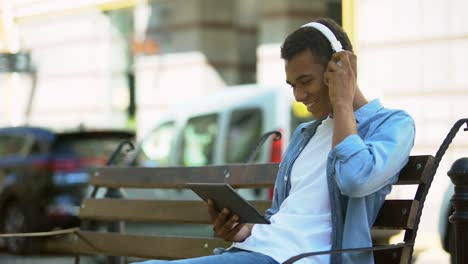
(198,141)
(156,148)
(245,128)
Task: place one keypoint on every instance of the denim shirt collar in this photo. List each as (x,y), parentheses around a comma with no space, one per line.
(309,131)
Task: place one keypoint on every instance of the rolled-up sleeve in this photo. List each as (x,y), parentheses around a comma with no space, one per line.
(363,166)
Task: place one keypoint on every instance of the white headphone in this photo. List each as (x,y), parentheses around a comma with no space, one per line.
(335,43)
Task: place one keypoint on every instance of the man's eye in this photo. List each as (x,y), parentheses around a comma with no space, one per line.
(306,82)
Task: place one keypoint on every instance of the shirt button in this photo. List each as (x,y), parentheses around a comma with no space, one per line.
(285,178)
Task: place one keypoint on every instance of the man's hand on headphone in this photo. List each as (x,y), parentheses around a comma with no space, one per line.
(340,76)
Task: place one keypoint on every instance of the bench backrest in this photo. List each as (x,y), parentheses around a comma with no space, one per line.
(395,214)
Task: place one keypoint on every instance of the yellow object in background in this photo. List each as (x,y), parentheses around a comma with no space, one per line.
(300,110)
(348,13)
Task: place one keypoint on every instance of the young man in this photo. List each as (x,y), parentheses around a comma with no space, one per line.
(336,171)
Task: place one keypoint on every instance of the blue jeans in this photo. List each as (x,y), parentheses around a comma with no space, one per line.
(232,256)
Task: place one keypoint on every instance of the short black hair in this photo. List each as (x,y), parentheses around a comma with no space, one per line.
(310,38)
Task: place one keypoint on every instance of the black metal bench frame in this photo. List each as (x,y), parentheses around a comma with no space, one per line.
(395,214)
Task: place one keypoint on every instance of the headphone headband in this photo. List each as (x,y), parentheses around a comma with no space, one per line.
(335,43)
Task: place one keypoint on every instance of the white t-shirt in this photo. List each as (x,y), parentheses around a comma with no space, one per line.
(303,222)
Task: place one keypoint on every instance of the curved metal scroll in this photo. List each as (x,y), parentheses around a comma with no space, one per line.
(260,142)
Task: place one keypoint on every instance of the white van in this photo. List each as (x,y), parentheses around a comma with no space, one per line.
(216,129)
(223,128)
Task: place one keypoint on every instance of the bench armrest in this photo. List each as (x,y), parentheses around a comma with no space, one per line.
(374,248)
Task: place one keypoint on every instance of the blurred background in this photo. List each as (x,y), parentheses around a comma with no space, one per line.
(120,64)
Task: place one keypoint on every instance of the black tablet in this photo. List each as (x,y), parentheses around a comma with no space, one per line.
(224,196)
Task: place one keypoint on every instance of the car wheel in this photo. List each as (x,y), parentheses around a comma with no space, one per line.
(20,218)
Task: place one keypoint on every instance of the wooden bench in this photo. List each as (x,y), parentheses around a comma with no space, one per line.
(394,215)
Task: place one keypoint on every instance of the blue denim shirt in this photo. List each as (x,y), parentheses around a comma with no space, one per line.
(360,172)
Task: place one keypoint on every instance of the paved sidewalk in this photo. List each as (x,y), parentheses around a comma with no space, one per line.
(11,259)
(434,256)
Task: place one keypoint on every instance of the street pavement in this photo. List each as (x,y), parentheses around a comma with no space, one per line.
(427,251)
(11,259)
(431,256)
(434,256)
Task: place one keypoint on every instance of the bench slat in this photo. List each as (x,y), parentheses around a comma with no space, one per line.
(394,214)
(163,211)
(416,170)
(238,176)
(113,244)
(390,256)
(397,214)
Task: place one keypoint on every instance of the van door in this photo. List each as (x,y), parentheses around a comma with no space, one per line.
(244,131)
(199,137)
(157,148)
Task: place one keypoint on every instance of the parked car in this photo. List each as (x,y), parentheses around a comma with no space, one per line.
(44,175)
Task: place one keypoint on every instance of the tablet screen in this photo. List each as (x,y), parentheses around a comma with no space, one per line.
(224,196)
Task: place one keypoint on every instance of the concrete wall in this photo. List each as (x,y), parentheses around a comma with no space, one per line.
(278,18)
(80,70)
(413,54)
(202,45)
(205,45)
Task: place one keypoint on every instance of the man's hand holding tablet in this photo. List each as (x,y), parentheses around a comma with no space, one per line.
(232,217)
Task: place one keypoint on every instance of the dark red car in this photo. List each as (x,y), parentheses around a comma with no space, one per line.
(44,176)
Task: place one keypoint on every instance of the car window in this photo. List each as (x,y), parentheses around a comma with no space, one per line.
(198,141)
(156,148)
(11,145)
(92,151)
(245,128)
(36,148)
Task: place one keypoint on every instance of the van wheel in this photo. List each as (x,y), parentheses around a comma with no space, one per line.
(20,217)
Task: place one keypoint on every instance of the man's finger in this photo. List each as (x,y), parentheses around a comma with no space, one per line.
(332,66)
(341,59)
(232,227)
(227,226)
(326,78)
(353,62)
(212,210)
(220,221)
(234,231)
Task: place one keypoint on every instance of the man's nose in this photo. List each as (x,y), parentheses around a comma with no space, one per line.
(300,94)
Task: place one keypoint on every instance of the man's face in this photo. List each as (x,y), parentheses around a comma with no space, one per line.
(305,75)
